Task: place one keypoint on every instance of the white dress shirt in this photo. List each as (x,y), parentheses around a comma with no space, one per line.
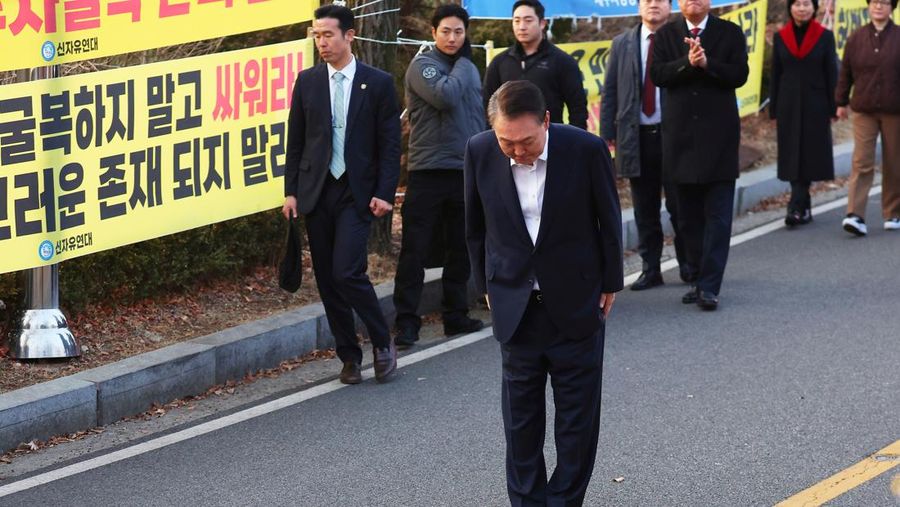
(701,25)
(530,181)
(645,48)
(349,71)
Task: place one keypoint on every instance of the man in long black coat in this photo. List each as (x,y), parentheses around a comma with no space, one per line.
(699,60)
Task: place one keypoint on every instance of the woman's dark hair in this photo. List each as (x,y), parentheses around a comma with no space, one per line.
(338,12)
(515,99)
(815,7)
(449,11)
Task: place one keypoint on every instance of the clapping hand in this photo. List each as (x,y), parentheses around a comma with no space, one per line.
(696,54)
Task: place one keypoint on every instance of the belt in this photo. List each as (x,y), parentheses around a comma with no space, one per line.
(651,129)
(537,296)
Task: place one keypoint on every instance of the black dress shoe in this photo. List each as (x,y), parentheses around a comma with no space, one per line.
(350,374)
(691,296)
(648,280)
(707,301)
(794,218)
(464,325)
(406,338)
(385,362)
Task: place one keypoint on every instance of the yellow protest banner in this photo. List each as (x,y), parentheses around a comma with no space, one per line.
(96,161)
(752,20)
(34,33)
(592,58)
(849,15)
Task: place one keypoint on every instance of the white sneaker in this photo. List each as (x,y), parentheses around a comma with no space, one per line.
(892,225)
(856,225)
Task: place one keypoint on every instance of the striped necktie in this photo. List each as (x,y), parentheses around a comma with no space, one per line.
(338,127)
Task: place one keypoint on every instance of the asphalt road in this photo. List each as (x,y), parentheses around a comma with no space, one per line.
(794,379)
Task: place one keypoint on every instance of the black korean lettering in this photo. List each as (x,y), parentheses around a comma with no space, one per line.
(153,181)
(112,185)
(34,200)
(159,102)
(56,124)
(117,92)
(253,145)
(212,145)
(277,150)
(71,196)
(17,136)
(4,204)
(186,178)
(88,122)
(191,114)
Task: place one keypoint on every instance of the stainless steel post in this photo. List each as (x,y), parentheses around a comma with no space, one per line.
(39,329)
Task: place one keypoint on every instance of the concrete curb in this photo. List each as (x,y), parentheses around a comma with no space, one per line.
(106,394)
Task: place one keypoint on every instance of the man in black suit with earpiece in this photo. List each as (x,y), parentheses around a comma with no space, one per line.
(343,163)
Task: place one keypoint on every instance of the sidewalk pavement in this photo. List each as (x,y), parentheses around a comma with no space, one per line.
(108,393)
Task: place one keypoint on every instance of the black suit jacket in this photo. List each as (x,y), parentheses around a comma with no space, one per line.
(701,128)
(372,140)
(578,252)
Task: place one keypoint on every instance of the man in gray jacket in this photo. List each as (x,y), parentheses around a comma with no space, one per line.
(443,96)
(630,117)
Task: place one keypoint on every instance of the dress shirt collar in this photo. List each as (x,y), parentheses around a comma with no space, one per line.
(349,71)
(543,155)
(645,32)
(701,25)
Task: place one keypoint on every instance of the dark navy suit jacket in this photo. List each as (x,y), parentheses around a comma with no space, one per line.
(372,141)
(578,252)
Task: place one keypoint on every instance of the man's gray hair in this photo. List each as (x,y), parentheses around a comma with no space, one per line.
(515,99)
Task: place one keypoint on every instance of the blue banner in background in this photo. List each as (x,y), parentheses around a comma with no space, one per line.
(500,9)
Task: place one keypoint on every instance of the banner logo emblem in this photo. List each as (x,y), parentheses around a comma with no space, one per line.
(45,251)
(48,51)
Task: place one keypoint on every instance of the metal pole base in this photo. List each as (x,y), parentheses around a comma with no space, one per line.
(42,334)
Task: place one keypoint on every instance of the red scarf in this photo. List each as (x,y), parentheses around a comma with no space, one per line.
(813,33)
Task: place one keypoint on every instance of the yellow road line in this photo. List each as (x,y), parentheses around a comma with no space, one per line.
(848,479)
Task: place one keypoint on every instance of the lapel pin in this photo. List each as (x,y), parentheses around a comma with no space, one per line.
(363,86)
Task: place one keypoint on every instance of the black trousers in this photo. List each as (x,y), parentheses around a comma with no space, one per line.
(646,197)
(704,218)
(575,367)
(338,239)
(434,204)
(800,199)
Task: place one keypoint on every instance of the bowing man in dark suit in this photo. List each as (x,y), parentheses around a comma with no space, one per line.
(343,162)
(698,61)
(544,232)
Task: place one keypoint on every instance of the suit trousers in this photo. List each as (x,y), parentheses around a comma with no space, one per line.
(705,211)
(800,198)
(434,204)
(646,197)
(575,367)
(866,128)
(338,240)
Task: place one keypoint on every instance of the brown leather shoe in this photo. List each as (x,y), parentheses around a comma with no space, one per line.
(351,374)
(385,362)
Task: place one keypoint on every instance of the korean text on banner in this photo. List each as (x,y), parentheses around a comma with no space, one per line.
(592,58)
(96,161)
(849,15)
(752,20)
(37,32)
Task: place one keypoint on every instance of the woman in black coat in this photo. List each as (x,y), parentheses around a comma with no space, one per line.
(804,75)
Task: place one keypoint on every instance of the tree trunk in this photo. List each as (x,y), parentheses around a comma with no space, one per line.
(381,27)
